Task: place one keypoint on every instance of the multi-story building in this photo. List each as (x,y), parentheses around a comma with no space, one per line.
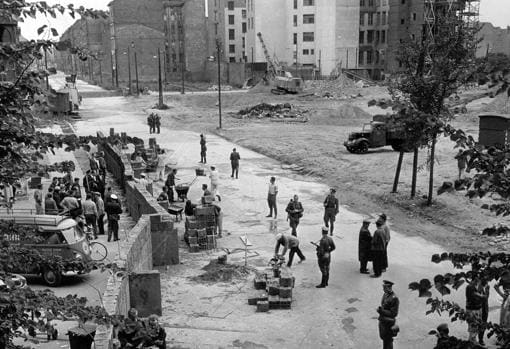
(373,37)
(309,33)
(493,40)
(186,40)
(9,34)
(227,22)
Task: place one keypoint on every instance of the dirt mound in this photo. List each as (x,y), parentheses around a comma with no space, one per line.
(340,87)
(216,272)
(274,111)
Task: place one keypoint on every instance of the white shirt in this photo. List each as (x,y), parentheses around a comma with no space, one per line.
(215,176)
(273,189)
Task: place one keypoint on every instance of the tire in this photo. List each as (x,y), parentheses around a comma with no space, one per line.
(363,148)
(52,278)
(351,150)
(98,251)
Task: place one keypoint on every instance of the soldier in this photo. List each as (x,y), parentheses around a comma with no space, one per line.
(387,236)
(324,248)
(388,312)
(330,210)
(157,123)
(234,162)
(295,212)
(289,243)
(150,122)
(378,247)
(364,246)
(203,150)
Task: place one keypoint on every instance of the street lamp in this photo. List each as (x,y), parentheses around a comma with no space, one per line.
(211,59)
(136,69)
(160,83)
(129,68)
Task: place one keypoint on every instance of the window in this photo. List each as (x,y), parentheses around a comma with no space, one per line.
(312,51)
(377,36)
(383,22)
(244,43)
(383,36)
(295,20)
(361,37)
(370,36)
(243,14)
(403,2)
(230,5)
(413,37)
(361,3)
(360,57)
(414,16)
(306,52)
(371,18)
(402,21)
(369,57)
(295,4)
(308,36)
(376,57)
(232,48)
(308,19)
(362,19)
(231,19)
(308,2)
(294,40)
(232,59)
(370,2)
(231,34)
(378,18)
(244,27)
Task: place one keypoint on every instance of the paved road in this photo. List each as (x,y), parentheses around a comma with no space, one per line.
(340,316)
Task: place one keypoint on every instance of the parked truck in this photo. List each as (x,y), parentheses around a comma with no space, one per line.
(375,134)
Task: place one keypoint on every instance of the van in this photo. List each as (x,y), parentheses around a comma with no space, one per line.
(52,236)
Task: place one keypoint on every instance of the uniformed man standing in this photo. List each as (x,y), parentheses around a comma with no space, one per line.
(324,248)
(295,212)
(330,210)
(203,150)
(388,312)
(364,246)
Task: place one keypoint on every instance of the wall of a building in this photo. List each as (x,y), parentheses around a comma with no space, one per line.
(136,12)
(495,39)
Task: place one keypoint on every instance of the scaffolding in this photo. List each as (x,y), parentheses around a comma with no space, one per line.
(468,11)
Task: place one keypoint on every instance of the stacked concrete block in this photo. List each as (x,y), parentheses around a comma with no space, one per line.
(202,227)
(277,284)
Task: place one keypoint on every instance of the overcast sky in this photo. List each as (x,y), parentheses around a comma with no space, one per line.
(496,12)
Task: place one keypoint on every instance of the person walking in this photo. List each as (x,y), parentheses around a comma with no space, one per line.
(203,150)
(324,248)
(364,246)
(378,247)
(215,179)
(330,210)
(290,243)
(272,191)
(90,213)
(485,291)
(38,197)
(100,212)
(113,209)
(387,236)
(295,212)
(388,312)
(234,162)
(170,184)
(474,301)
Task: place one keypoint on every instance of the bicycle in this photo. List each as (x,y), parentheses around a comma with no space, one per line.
(98,251)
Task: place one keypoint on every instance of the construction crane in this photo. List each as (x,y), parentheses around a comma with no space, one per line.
(273,68)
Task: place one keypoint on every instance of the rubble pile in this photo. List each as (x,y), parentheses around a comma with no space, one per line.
(216,271)
(339,88)
(273,111)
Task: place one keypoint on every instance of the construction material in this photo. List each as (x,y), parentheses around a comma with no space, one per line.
(218,272)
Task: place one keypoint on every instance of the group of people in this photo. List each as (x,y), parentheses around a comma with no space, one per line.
(134,332)
(374,247)
(154,122)
(234,157)
(8,192)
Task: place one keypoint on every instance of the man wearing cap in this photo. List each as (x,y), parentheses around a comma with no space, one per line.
(378,247)
(113,210)
(290,243)
(203,150)
(271,197)
(330,210)
(100,212)
(387,238)
(364,246)
(388,312)
(324,248)
(295,212)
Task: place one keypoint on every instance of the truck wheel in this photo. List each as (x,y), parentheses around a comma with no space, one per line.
(363,148)
(52,278)
(351,150)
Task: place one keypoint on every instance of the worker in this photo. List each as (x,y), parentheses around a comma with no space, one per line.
(295,212)
(330,210)
(170,184)
(272,191)
(324,248)
(290,243)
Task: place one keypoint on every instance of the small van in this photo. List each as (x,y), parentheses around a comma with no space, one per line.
(53,236)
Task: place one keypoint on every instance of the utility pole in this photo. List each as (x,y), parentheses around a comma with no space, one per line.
(116,67)
(100,70)
(160,83)
(252,65)
(46,67)
(218,47)
(129,68)
(136,75)
(182,65)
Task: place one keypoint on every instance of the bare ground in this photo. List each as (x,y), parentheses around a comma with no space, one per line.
(364,181)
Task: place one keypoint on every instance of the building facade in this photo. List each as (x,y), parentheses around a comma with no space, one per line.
(493,40)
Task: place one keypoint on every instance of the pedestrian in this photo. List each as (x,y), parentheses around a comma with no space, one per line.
(364,246)
(324,248)
(108,194)
(290,243)
(71,205)
(90,213)
(38,197)
(113,210)
(131,331)
(330,210)
(50,206)
(388,312)
(203,150)
(88,181)
(461,163)
(474,301)
(157,123)
(485,291)
(294,213)
(272,191)
(215,178)
(68,179)
(57,196)
(218,218)
(170,184)
(100,212)
(378,247)
(387,238)
(502,288)
(234,162)
(102,166)
(155,336)
(150,122)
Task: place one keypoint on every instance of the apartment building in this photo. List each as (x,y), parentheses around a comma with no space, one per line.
(227,22)
(304,33)
(373,37)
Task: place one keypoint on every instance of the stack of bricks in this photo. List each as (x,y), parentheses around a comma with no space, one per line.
(275,289)
(201,229)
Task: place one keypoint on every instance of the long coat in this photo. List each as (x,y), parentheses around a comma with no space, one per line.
(364,244)
(378,241)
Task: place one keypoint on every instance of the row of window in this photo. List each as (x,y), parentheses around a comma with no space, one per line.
(381,18)
(305,3)
(364,3)
(307,37)
(372,36)
(370,57)
(307,19)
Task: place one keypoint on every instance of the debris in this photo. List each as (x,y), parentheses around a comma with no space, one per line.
(276,112)
(217,272)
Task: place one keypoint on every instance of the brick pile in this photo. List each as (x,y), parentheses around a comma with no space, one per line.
(274,289)
(201,229)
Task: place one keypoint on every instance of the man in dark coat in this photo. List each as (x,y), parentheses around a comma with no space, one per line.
(170,184)
(157,123)
(387,237)
(324,248)
(234,162)
(364,246)
(295,212)
(151,123)
(378,247)
(203,150)
(388,312)
(330,210)
(113,209)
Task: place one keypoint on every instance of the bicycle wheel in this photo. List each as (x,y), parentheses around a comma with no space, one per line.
(98,251)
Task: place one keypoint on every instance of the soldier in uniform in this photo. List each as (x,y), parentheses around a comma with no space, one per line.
(330,210)
(324,248)
(364,246)
(203,150)
(388,312)
(295,212)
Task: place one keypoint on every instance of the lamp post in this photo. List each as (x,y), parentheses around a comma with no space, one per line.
(136,69)
(181,53)
(218,52)
(160,82)
(129,69)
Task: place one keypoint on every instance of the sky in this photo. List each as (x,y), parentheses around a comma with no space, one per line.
(496,12)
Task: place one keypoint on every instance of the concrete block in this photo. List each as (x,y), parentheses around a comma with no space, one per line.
(274,302)
(259,284)
(145,292)
(285,292)
(262,306)
(285,303)
(286,281)
(273,290)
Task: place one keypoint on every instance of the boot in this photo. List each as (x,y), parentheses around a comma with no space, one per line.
(323,283)
(327,279)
